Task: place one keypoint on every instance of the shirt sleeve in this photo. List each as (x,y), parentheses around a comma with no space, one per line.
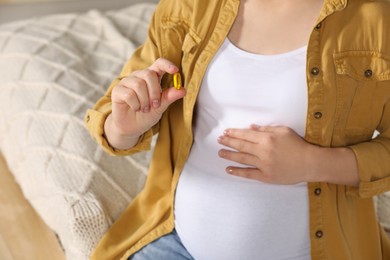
(373,159)
(142,58)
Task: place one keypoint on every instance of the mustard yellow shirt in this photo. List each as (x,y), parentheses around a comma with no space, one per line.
(348,80)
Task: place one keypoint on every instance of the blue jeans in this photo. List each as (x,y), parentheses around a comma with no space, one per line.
(167,247)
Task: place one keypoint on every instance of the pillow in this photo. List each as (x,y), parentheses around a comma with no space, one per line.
(52,69)
(383,210)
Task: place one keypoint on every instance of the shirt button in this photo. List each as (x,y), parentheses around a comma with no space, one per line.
(87,118)
(368,73)
(318,26)
(319,234)
(317,115)
(317,191)
(315,71)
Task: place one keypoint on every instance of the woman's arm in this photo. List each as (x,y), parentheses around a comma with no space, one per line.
(114,130)
(278,155)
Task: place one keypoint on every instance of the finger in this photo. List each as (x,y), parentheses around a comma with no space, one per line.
(124,98)
(248,173)
(240,145)
(162,66)
(170,95)
(139,89)
(268,129)
(249,135)
(153,85)
(242,158)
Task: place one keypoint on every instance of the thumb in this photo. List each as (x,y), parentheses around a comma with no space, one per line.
(161,66)
(170,95)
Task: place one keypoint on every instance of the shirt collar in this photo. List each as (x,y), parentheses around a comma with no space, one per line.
(331,6)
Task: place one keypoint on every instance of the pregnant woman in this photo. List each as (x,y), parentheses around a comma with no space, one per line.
(267,151)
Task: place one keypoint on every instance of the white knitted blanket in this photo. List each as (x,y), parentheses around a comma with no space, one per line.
(52,69)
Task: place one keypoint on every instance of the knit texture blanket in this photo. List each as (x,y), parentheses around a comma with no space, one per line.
(52,69)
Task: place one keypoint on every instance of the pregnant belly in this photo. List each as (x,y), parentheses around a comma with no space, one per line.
(230,218)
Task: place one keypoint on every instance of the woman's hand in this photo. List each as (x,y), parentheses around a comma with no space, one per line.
(273,154)
(278,155)
(138,103)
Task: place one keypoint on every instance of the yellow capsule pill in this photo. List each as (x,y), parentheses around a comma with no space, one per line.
(177,80)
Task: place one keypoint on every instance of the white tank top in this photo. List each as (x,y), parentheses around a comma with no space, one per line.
(219,216)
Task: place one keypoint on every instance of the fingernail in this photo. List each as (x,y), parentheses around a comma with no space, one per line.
(226,132)
(220,139)
(222,153)
(229,170)
(156,103)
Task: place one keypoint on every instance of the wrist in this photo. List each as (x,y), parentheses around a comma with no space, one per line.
(115,138)
(333,165)
(315,157)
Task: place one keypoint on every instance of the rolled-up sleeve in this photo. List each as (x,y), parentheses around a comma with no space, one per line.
(94,121)
(373,159)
